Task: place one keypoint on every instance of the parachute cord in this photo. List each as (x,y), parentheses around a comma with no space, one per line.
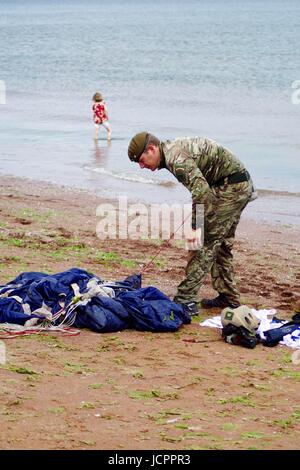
(164,245)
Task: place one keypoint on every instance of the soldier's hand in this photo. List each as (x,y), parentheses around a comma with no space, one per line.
(193,239)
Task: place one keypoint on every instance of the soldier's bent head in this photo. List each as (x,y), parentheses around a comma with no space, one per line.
(139,143)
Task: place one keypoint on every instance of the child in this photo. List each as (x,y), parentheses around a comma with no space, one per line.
(100,115)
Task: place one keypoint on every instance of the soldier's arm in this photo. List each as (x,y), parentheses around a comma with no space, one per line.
(187,172)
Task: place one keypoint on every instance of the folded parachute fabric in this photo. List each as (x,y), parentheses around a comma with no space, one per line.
(39,295)
(103,315)
(83,300)
(151,310)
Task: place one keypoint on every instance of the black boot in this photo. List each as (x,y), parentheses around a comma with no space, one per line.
(219,302)
(191,308)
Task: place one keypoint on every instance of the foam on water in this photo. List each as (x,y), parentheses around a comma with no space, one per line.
(133,178)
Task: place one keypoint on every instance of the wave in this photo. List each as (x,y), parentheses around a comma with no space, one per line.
(171,184)
(272,192)
(133,178)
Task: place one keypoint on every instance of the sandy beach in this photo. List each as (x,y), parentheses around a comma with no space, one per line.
(163,392)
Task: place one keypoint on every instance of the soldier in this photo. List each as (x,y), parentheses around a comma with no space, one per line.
(219,181)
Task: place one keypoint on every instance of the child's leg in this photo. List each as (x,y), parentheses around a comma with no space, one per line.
(108,128)
(96,131)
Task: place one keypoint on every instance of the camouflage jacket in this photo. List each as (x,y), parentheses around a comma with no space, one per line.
(198,163)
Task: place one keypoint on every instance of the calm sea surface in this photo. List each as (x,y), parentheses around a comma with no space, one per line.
(217,68)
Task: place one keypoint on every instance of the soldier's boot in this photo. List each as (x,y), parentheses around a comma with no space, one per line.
(191,308)
(221,301)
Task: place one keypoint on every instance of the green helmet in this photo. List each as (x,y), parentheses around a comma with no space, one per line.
(137,146)
(241,316)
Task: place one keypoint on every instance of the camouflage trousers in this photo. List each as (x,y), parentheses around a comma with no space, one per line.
(216,254)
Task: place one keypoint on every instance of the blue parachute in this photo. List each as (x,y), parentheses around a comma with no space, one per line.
(84,300)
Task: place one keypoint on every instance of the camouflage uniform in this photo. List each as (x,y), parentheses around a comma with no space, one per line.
(198,164)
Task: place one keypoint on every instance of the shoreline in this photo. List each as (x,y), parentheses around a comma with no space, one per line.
(271,207)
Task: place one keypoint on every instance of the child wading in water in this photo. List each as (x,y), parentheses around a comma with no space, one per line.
(100,115)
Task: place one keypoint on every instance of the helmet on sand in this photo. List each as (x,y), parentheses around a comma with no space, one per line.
(240,317)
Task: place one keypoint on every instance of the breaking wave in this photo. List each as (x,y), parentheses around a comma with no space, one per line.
(133,178)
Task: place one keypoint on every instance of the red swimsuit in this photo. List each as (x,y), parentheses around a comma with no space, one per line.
(100,112)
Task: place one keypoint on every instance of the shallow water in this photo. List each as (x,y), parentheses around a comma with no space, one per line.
(218,69)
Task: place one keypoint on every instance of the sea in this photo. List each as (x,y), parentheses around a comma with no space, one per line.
(228,70)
